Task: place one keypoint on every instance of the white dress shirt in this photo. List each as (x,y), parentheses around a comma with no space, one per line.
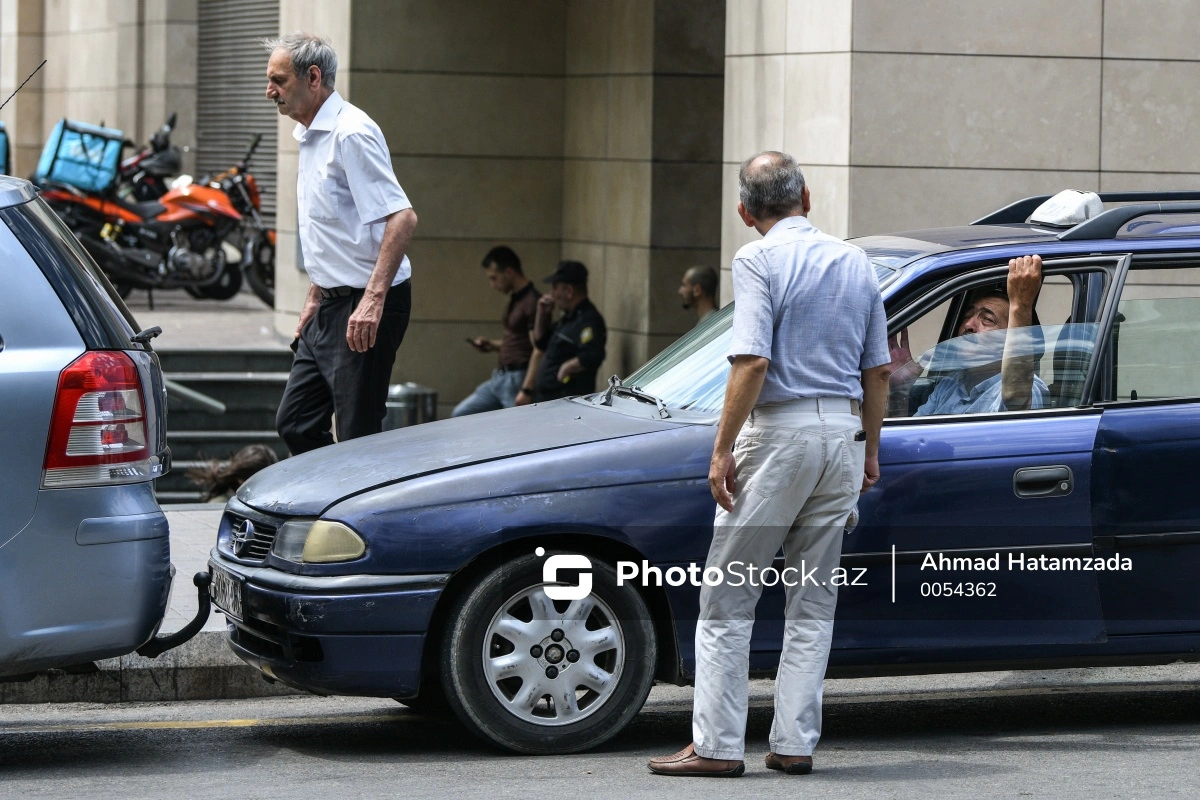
(345,190)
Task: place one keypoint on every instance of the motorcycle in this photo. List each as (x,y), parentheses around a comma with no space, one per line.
(174,242)
(146,176)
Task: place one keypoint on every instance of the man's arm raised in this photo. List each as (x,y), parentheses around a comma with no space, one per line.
(1024,283)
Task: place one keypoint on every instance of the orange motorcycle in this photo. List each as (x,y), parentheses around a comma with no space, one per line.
(175,242)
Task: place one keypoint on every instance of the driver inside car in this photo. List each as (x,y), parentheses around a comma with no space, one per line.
(995,368)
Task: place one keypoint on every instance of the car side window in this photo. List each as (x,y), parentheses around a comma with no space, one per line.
(963,372)
(1156,336)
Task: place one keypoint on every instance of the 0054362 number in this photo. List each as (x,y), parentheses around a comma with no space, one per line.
(948,589)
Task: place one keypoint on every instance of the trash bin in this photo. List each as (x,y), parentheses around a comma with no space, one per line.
(409,404)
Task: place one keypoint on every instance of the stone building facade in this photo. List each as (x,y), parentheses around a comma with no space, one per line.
(611,130)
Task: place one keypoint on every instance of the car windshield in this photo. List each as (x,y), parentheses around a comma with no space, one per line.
(691,373)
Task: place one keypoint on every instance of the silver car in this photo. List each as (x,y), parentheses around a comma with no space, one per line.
(85,562)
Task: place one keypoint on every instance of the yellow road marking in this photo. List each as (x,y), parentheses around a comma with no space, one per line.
(195,724)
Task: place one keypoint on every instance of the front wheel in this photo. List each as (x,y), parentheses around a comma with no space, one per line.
(544,676)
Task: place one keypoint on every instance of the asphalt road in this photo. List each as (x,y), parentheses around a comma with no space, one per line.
(1084,739)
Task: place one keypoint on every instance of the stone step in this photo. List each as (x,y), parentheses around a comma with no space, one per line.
(205,444)
(273,360)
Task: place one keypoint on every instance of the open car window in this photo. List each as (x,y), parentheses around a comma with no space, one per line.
(939,370)
(962,375)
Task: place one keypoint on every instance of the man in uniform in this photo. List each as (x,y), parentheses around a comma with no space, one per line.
(798,438)
(355,226)
(509,383)
(574,348)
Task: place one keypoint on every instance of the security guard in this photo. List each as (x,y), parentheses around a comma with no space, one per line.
(574,348)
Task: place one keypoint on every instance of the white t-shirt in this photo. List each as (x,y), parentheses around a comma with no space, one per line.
(345,190)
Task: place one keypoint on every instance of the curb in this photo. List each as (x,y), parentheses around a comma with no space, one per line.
(203,668)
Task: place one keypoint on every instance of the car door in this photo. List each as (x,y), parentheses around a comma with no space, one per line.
(959,541)
(1147,515)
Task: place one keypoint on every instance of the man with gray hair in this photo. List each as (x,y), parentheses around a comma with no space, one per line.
(798,438)
(355,226)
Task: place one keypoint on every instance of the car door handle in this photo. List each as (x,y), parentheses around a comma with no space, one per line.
(1055,481)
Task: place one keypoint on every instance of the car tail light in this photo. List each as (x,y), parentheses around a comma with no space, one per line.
(98,428)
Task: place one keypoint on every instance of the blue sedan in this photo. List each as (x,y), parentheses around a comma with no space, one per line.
(537,569)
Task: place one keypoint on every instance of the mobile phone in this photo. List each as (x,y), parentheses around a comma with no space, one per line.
(861,436)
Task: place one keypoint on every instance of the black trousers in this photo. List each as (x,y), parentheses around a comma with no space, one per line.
(329,380)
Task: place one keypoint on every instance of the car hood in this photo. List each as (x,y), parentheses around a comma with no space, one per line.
(307,484)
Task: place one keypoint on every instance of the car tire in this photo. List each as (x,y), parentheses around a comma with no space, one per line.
(514,694)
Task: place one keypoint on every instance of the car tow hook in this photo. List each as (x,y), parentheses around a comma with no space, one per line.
(161,644)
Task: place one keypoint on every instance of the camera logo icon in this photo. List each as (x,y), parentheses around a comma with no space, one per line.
(560,590)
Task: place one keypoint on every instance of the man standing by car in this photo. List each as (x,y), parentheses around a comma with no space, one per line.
(574,347)
(797,439)
(355,226)
(512,380)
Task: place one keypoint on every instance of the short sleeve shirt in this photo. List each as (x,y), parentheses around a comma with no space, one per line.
(580,333)
(345,190)
(811,304)
(951,396)
(516,347)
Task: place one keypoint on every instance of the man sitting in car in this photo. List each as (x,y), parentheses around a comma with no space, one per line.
(985,384)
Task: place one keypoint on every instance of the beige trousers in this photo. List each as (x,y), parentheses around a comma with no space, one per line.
(799,471)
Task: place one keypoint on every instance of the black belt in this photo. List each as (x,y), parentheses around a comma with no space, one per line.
(515,368)
(337,291)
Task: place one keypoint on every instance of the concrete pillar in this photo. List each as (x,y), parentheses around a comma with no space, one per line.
(787,87)
(642,160)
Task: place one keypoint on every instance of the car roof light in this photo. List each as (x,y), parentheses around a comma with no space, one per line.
(1067,209)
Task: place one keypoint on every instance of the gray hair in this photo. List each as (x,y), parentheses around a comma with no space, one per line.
(771,190)
(307,51)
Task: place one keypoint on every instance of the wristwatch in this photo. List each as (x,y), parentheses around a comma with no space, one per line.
(526,390)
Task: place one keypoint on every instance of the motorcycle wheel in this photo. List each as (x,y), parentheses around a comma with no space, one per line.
(260,273)
(123,289)
(229,284)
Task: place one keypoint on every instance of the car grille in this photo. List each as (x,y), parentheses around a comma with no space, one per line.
(251,535)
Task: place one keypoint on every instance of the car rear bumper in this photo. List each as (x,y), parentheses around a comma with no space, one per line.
(88,578)
(350,634)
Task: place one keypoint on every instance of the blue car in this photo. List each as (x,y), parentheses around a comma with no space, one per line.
(537,569)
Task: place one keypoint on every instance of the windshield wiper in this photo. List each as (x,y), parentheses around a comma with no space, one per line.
(616,387)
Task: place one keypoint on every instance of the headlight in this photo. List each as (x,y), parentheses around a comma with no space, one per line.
(317,542)
(289,541)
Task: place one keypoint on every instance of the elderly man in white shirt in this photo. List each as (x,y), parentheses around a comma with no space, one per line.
(355,226)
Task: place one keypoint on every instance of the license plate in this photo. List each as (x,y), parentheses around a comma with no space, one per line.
(226,592)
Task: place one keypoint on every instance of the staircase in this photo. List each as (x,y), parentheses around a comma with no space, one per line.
(248,382)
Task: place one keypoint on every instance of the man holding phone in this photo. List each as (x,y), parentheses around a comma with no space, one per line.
(511,382)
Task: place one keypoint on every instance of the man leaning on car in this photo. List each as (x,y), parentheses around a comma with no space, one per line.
(798,438)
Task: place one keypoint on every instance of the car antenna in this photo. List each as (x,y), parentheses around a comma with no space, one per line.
(22,86)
